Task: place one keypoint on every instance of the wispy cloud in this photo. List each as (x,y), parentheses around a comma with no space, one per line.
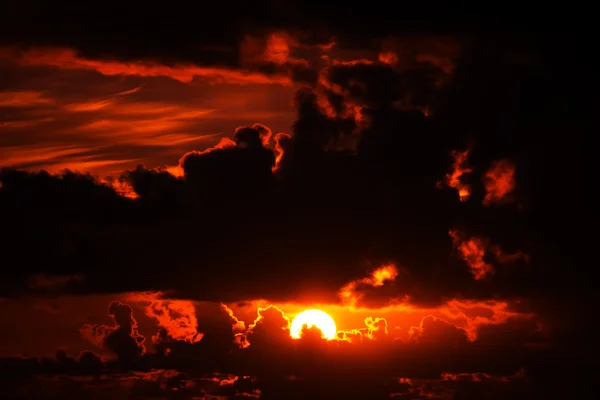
(99,104)
(68,59)
(23,99)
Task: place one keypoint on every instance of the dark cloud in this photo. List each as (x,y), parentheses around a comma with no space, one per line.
(334,208)
(122,339)
(437,358)
(168,32)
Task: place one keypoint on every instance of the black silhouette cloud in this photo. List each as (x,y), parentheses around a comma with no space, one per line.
(436,358)
(259,216)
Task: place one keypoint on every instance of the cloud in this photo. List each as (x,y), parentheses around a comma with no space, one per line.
(351,293)
(438,333)
(363,362)
(32,154)
(80,376)
(453,178)
(273,48)
(100,104)
(281,141)
(375,329)
(122,338)
(64,58)
(479,254)
(23,99)
(473,252)
(177,317)
(499,181)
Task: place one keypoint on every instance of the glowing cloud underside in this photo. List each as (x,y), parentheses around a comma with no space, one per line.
(316,318)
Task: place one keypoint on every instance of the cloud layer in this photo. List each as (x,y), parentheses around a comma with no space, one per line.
(511,356)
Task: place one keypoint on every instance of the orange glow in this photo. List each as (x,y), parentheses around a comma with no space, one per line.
(406,322)
(23,99)
(123,188)
(499,181)
(65,58)
(350,293)
(375,328)
(224,143)
(279,151)
(278,48)
(453,178)
(317,318)
(383,274)
(273,49)
(388,57)
(472,251)
(177,317)
(32,153)
(471,315)
(96,105)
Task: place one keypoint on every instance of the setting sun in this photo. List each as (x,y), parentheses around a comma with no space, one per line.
(316,318)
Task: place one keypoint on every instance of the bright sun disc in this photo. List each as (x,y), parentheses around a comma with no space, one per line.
(317,318)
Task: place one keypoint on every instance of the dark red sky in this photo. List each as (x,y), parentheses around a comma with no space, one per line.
(177,186)
(74,115)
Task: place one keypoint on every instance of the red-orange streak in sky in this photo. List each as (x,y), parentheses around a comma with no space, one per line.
(65,58)
(23,98)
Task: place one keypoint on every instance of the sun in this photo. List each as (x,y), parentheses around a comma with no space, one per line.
(317,318)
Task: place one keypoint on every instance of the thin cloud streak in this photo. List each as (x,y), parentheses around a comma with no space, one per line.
(100,104)
(23,99)
(31,154)
(68,59)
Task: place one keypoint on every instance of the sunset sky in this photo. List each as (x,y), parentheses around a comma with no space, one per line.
(178,185)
